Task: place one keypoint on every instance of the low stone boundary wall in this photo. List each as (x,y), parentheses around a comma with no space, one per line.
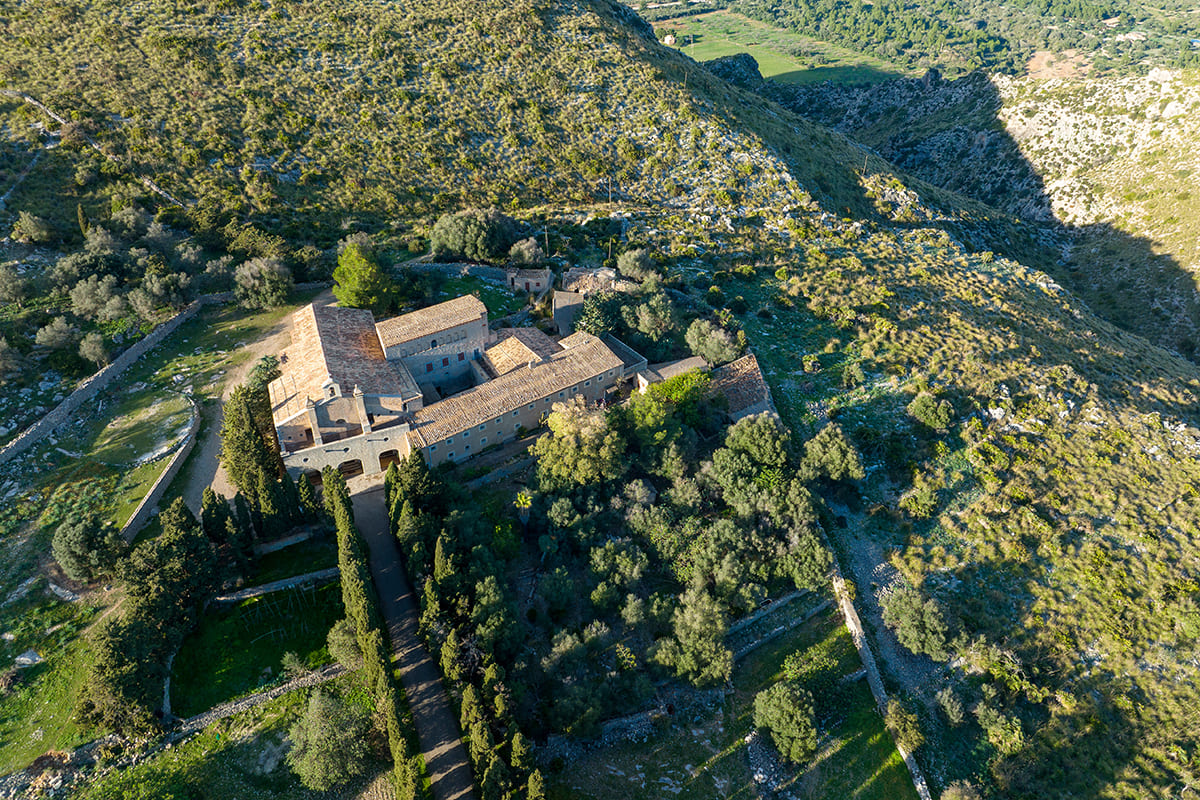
(278,586)
(872,670)
(146,508)
(92,385)
(459,270)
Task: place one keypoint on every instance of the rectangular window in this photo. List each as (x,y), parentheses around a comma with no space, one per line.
(445,362)
(481,427)
(467,449)
(450,455)
(449,439)
(498,420)
(514,413)
(531,406)
(462,356)
(483,441)
(560,394)
(429,367)
(587,383)
(433,448)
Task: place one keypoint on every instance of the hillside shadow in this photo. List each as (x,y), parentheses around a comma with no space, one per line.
(949,134)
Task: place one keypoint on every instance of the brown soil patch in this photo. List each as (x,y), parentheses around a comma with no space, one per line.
(1045,65)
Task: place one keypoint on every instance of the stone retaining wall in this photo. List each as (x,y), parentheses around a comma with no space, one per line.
(92,385)
(149,504)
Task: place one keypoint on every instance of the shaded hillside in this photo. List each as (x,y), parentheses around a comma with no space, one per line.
(1105,165)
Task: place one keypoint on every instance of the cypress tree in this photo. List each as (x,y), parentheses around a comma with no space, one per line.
(522,754)
(244,454)
(390,481)
(443,566)
(270,506)
(308,499)
(495,779)
(244,516)
(536,788)
(291,499)
(408,529)
(214,516)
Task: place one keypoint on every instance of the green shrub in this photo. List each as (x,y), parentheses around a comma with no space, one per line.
(929,411)
(903,725)
(786,712)
(477,235)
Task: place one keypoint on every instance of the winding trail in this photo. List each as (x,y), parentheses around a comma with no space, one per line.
(437,725)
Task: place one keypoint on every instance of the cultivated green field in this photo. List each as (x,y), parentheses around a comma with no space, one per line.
(781,55)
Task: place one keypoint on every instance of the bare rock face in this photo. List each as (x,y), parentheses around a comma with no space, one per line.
(740,70)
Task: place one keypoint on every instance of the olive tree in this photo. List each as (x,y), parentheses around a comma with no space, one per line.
(262,283)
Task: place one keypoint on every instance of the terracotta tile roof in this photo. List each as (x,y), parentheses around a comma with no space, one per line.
(743,384)
(588,358)
(338,344)
(431,320)
(517,347)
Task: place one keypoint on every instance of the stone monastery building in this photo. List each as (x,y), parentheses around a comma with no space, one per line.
(356,395)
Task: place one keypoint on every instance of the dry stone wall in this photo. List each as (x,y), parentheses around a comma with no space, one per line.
(91,386)
(149,503)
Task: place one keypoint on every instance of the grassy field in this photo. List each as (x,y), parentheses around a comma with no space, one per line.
(703,755)
(238,757)
(499,300)
(237,649)
(37,715)
(781,55)
(52,483)
(317,553)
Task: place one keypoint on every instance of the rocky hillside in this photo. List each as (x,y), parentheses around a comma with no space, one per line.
(1105,164)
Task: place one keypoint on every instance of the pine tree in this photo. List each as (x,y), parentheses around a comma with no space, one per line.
(360,283)
(214,516)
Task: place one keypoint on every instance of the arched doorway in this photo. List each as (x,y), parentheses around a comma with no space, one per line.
(351,468)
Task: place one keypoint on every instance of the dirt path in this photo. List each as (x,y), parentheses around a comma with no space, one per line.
(437,726)
(205,469)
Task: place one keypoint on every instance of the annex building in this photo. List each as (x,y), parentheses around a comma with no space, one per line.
(356,395)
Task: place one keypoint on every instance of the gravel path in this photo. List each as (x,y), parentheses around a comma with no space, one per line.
(437,725)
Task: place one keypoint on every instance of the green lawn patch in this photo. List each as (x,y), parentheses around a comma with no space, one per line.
(37,716)
(310,555)
(233,649)
(142,429)
(499,300)
(237,757)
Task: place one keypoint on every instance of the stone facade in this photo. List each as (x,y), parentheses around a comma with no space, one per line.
(478,392)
